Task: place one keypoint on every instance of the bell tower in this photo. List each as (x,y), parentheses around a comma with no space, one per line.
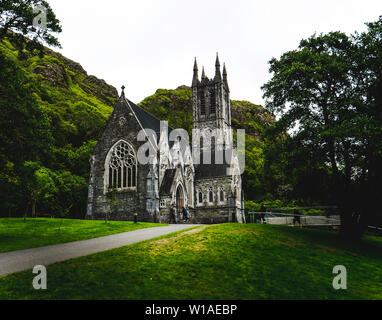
(210,99)
(211,103)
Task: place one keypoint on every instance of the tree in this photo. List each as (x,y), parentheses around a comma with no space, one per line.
(71,194)
(39,184)
(34,19)
(10,194)
(318,92)
(25,132)
(369,118)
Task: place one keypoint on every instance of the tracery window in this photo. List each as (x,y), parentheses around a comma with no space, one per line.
(122,167)
(202,103)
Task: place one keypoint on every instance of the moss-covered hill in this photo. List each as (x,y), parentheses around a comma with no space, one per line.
(176,106)
(78,104)
(53,112)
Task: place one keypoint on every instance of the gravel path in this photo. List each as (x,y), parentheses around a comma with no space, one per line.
(19,260)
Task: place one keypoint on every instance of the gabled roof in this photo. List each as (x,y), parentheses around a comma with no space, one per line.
(147,120)
(167,181)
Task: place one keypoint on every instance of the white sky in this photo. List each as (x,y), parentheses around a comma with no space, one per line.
(151,44)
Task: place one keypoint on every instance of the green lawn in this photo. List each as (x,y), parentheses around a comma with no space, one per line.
(228,261)
(37,232)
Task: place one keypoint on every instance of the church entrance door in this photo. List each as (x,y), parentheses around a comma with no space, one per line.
(179,201)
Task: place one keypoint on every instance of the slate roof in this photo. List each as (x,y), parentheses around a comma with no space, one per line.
(167,181)
(148,120)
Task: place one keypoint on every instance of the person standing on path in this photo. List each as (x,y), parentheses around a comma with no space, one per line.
(172,214)
(185,214)
(296,217)
(263,209)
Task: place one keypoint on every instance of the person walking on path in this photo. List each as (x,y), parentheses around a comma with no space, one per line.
(296,217)
(185,214)
(263,209)
(172,214)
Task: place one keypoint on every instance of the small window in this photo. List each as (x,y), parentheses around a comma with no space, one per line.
(162,203)
(200,197)
(221,194)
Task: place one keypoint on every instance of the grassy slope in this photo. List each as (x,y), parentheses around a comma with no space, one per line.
(227,261)
(15,234)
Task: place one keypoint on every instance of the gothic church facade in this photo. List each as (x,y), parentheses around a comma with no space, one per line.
(210,189)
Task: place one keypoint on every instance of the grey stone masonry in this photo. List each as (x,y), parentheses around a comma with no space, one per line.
(121,186)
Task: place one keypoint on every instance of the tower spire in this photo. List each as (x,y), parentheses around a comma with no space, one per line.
(195,77)
(203,74)
(225,77)
(217,68)
(195,66)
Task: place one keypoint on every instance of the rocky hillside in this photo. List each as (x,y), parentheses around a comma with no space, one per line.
(78,104)
(176,106)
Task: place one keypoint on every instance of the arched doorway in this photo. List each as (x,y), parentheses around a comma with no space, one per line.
(179,200)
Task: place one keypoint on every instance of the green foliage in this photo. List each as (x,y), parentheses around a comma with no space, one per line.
(329,92)
(38,181)
(17,19)
(52,115)
(172,105)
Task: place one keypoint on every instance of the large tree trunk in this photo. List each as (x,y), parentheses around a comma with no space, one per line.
(26,212)
(348,168)
(34,208)
(331,143)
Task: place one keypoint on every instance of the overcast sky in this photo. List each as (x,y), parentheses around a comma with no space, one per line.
(151,44)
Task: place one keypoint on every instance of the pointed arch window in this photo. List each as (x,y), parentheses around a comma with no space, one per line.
(122,167)
(221,194)
(210,195)
(200,196)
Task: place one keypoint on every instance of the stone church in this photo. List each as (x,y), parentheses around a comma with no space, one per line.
(147,170)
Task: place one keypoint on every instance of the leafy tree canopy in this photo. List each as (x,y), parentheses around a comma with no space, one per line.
(33,19)
(327,92)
